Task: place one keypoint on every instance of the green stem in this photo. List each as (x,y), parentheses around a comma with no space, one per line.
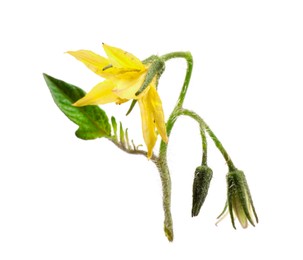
(162,158)
(166,197)
(166,184)
(219,145)
(204,145)
(189,59)
(129,150)
(173,116)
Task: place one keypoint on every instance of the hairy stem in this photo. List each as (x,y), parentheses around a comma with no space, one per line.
(189,59)
(166,199)
(173,116)
(204,145)
(162,159)
(219,145)
(130,150)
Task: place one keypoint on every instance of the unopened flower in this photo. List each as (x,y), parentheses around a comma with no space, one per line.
(124,76)
(203,176)
(239,201)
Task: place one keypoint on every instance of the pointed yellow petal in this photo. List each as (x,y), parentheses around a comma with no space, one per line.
(158,112)
(148,126)
(122,59)
(100,94)
(93,61)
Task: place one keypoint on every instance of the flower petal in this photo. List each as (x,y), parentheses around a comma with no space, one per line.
(100,94)
(127,86)
(158,112)
(148,125)
(122,59)
(240,213)
(93,61)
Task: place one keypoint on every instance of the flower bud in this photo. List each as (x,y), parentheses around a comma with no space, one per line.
(239,201)
(203,176)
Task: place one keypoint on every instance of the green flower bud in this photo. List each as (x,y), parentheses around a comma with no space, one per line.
(203,176)
(239,201)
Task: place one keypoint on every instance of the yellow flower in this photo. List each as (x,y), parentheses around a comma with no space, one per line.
(124,74)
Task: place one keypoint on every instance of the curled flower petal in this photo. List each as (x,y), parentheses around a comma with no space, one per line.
(152,118)
(148,125)
(158,112)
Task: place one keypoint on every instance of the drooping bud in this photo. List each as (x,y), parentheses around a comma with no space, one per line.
(239,201)
(203,176)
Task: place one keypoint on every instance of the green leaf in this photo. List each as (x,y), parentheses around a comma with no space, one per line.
(92,120)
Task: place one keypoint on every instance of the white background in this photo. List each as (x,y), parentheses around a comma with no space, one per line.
(64,198)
